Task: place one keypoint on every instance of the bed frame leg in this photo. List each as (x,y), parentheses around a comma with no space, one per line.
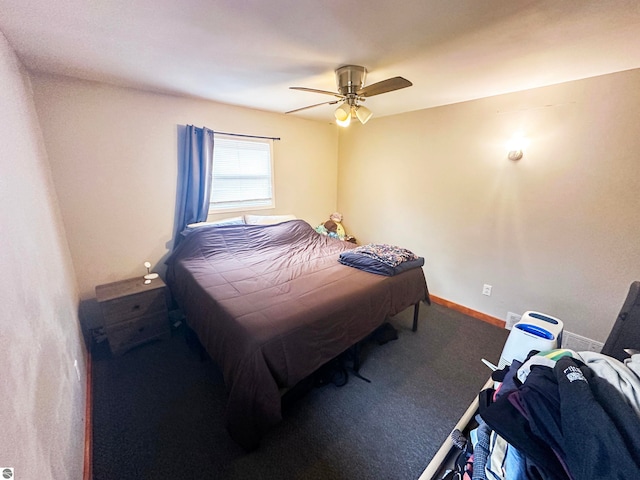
(191,338)
(356,357)
(416,310)
(356,362)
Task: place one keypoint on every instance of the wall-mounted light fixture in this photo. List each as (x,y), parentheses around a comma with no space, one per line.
(515,154)
(516,147)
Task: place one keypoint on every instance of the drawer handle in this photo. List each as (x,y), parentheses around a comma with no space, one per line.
(136,307)
(141,329)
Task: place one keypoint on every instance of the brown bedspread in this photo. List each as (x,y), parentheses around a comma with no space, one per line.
(271,304)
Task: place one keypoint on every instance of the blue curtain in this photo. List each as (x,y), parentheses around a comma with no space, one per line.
(194,177)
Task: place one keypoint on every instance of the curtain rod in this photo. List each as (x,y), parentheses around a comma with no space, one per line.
(248,136)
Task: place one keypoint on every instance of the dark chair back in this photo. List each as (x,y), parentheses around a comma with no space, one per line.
(626,330)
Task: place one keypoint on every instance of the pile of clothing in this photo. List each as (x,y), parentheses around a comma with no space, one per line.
(558,415)
(381,258)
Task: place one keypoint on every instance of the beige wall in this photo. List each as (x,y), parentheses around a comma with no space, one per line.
(557,231)
(42,406)
(113,153)
(554,232)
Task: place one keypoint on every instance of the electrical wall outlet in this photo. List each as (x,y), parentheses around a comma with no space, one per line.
(486,290)
(512,319)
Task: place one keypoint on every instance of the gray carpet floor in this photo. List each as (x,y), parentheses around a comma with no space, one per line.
(158,410)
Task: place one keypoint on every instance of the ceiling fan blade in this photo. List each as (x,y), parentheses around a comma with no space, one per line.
(332,102)
(388,85)
(305,89)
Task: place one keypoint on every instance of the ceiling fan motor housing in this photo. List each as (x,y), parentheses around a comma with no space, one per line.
(350,79)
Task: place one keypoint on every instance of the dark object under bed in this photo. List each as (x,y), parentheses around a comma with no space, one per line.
(271,304)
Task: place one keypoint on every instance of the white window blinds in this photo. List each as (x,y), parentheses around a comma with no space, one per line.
(242,174)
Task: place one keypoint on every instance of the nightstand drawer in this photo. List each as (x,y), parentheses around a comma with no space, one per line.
(126,335)
(133,306)
(134,312)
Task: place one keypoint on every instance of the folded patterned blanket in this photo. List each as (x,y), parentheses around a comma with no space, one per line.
(381,259)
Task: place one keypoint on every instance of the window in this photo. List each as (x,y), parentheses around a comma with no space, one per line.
(242,174)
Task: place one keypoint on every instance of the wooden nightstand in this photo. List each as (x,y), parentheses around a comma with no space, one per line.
(134,313)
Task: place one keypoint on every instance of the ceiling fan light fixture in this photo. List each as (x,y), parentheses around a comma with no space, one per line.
(343,113)
(344,123)
(363,114)
(352,91)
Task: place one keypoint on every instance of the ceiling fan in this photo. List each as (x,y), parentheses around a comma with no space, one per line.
(351,92)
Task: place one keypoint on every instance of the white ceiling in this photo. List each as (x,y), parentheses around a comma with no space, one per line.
(248,52)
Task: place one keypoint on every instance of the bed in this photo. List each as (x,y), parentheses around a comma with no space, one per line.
(272,303)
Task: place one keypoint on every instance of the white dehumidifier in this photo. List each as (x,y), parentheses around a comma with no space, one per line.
(534,331)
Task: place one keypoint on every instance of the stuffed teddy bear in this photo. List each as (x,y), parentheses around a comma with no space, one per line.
(333,228)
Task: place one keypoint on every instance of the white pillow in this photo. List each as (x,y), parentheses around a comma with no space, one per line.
(224,221)
(267,219)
